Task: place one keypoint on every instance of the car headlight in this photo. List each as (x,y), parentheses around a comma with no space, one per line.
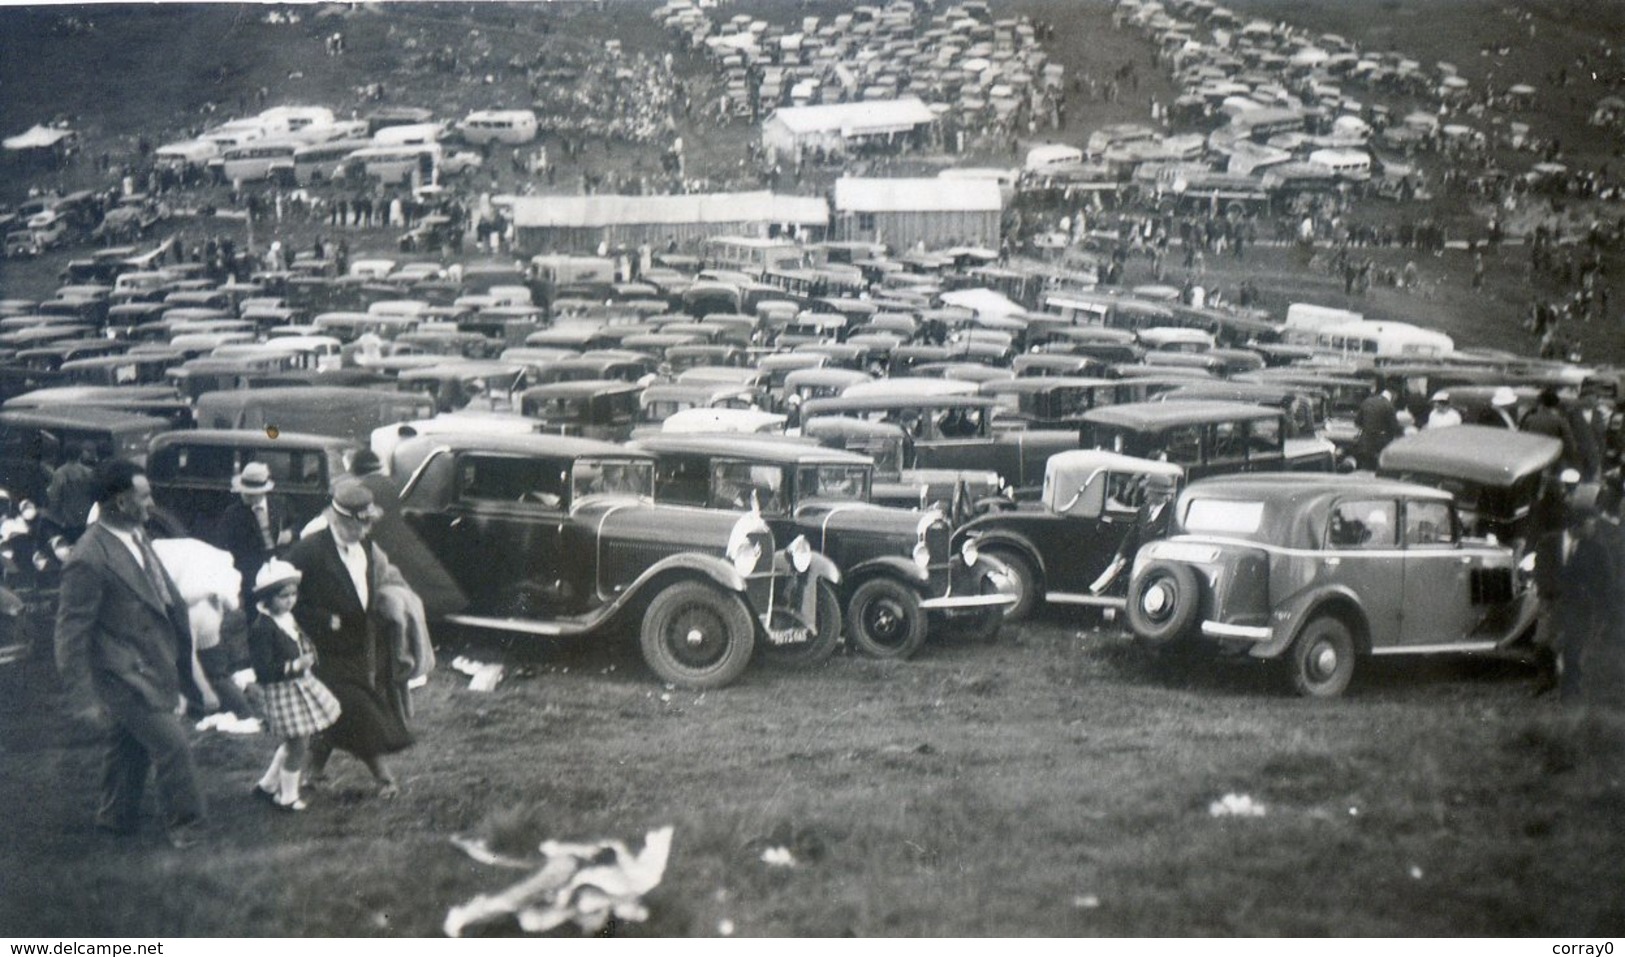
(922,556)
(61,549)
(41,561)
(800,554)
(28,510)
(969,551)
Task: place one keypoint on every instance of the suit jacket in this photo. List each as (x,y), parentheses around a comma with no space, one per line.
(331,614)
(118,641)
(238,532)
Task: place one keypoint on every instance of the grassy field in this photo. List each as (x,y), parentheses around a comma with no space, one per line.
(1053,783)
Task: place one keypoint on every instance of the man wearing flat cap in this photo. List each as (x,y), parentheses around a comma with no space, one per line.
(342,573)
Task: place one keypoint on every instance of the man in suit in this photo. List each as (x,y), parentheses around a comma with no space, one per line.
(124,648)
(1378,424)
(254,529)
(1151,522)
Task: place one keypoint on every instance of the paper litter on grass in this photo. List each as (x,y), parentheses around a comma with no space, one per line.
(1236,805)
(586,884)
(483,676)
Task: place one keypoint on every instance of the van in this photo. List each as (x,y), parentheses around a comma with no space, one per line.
(498,126)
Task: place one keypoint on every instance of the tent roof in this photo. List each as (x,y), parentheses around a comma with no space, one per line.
(854,194)
(856,119)
(599,210)
(39,137)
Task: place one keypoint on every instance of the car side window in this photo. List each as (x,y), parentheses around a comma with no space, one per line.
(1227,442)
(1429,523)
(1264,439)
(506,480)
(1183,444)
(1361,523)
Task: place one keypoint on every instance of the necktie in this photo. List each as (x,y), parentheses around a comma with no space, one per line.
(155,571)
(262,514)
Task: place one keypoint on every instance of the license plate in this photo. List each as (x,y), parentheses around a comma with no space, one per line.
(788,636)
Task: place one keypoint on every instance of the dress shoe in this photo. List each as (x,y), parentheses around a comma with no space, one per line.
(262,794)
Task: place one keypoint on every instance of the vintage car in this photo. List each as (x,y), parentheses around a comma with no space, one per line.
(1055,550)
(1205,437)
(1322,570)
(350,413)
(956,432)
(605,409)
(896,564)
(591,553)
(898,482)
(33,442)
(191,471)
(1494,474)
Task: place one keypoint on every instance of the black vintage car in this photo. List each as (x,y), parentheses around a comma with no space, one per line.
(191,471)
(897,565)
(1058,549)
(585,550)
(956,432)
(1206,437)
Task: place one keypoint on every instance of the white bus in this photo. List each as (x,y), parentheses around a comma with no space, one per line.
(260,159)
(397,164)
(752,255)
(322,161)
(1385,340)
(498,126)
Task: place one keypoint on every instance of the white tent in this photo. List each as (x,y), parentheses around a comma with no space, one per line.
(39,138)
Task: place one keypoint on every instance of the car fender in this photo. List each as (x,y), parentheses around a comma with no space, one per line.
(682,566)
(1011,540)
(890,566)
(1290,616)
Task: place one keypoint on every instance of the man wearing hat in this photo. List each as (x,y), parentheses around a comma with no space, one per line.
(254,529)
(1503,410)
(1151,522)
(124,649)
(342,573)
(1442,415)
(1378,423)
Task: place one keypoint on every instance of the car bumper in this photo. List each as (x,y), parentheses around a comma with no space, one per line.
(1228,632)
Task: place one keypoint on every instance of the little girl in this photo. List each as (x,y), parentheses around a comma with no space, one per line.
(297,705)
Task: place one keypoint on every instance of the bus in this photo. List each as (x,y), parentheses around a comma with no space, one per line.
(751,255)
(498,126)
(258,160)
(397,164)
(1378,340)
(322,161)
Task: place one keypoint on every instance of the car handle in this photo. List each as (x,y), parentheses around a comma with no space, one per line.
(1331,562)
(456,522)
(1465,559)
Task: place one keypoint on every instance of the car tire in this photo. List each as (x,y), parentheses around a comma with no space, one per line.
(824,641)
(1322,658)
(1024,581)
(1163,602)
(885,620)
(984,625)
(695,635)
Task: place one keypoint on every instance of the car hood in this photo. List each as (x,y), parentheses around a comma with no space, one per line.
(697,529)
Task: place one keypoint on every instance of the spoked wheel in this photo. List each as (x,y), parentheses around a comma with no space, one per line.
(1322,658)
(1023,583)
(820,643)
(886,619)
(697,636)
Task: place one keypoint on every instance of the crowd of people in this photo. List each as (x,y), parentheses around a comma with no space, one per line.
(323,615)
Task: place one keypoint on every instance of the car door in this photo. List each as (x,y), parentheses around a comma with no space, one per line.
(512,507)
(1361,553)
(1438,578)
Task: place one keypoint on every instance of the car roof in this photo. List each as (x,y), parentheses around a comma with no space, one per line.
(1044,383)
(528,443)
(776,451)
(82,415)
(1299,489)
(1145,415)
(580,388)
(249,438)
(840,405)
(1487,455)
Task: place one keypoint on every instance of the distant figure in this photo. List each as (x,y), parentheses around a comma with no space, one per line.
(1549,419)
(1442,415)
(73,491)
(1378,424)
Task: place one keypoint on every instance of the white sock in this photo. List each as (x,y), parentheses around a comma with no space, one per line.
(272,778)
(290,787)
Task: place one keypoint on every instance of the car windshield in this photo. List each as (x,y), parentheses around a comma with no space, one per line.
(1209,516)
(621,477)
(835,481)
